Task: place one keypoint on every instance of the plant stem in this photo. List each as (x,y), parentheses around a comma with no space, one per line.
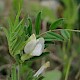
(68,68)
(59,30)
(18,72)
(13,72)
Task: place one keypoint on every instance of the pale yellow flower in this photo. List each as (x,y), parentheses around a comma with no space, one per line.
(46,65)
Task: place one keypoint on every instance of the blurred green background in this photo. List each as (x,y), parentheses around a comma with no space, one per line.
(61,53)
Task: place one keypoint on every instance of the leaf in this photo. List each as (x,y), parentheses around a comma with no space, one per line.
(52,75)
(19,46)
(26,29)
(17,4)
(49,42)
(30,27)
(49,36)
(17,27)
(10,25)
(13,43)
(6,32)
(17,33)
(37,23)
(65,34)
(55,24)
(49,39)
(17,18)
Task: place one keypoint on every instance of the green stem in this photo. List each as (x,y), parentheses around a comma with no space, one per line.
(13,72)
(68,68)
(18,72)
(59,30)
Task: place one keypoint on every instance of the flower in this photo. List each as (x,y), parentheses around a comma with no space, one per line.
(46,65)
(33,47)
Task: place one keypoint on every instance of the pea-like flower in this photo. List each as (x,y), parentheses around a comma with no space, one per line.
(33,47)
(43,67)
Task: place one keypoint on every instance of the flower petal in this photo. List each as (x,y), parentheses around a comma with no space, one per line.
(41,41)
(30,46)
(46,65)
(32,37)
(39,71)
(37,51)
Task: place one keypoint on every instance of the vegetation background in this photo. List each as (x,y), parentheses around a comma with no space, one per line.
(64,56)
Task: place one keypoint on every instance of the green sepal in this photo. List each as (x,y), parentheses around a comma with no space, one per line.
(25,57)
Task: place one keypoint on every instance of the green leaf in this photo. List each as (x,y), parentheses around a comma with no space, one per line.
(13,43)
(19,46)
(17,5)
(49,42)
(10,25)
(55,24)
(29,27)
(51,36)
(26,29)
(37,23)
(17,27)
(52,75)
(65,34)
(6,32)
(17,33)
(17,18)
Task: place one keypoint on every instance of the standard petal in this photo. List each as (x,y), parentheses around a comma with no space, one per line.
(39,71)
(37,51)
(41,41)
(30,46)
(32,37)
(46,65)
